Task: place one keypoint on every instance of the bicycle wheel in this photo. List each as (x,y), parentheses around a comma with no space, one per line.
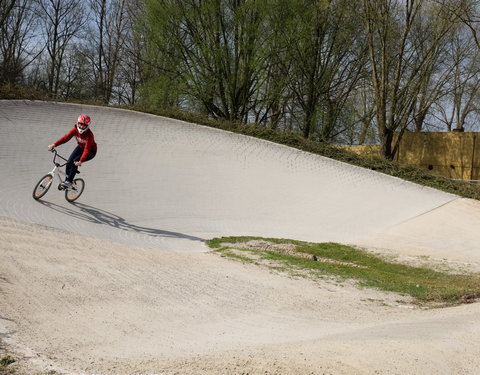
(74,192)
(42,186)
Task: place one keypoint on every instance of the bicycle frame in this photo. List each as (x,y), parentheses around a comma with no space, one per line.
(56,171)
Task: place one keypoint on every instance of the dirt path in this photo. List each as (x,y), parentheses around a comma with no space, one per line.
(81,305)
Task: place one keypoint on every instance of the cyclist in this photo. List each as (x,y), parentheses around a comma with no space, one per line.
(86,147)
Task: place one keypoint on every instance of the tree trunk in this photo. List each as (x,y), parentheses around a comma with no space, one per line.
(387,139)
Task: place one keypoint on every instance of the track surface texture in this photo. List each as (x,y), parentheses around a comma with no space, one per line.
(122,283)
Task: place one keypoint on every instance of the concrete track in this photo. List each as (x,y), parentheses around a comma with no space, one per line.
(167,184)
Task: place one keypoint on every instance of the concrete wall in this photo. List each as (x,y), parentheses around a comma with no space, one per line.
(450,154)
(454,155)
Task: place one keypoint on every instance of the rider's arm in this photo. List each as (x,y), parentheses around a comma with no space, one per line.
(65,138)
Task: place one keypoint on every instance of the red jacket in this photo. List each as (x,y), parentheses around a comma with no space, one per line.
(85,141)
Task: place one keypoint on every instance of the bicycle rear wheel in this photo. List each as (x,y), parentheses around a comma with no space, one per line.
(42,186)
(74,192)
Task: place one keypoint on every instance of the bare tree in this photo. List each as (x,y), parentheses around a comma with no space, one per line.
(16,31)
(6,7)
(398,66)
(131,73)
(321,63)
(430,41)
(361,106)
(61,22)
(75,73)
(107,40)
(464,101)
(468,12)
(271,99)
(461,100)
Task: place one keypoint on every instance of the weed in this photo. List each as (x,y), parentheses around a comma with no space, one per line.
(5,363)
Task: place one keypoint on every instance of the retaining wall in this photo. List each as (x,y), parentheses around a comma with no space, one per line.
(454,155)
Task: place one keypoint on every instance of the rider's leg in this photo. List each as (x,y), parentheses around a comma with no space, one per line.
(91,155)
(71,168)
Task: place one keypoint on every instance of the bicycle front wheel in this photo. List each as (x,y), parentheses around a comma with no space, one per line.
(42,186)
(74,191)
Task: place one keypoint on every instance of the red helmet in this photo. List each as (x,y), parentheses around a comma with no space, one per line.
(85,121)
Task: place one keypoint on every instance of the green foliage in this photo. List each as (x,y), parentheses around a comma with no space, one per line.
(211,50)
(322,41)
(12,91)
(160,92)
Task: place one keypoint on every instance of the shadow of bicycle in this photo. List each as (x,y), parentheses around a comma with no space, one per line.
(98,216)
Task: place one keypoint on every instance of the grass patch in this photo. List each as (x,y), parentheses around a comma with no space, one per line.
(5,368)
(238,256)
(424,284)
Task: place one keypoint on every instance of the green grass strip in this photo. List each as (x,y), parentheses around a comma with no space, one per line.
(424,284)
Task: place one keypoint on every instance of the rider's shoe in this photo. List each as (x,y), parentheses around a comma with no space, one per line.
(66,184)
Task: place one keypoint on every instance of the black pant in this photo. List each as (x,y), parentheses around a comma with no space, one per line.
(71,168)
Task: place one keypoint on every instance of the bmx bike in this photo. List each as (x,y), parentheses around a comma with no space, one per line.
(72,193)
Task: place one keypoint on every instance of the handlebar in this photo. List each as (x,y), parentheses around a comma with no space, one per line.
(55,157)
(61,157)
